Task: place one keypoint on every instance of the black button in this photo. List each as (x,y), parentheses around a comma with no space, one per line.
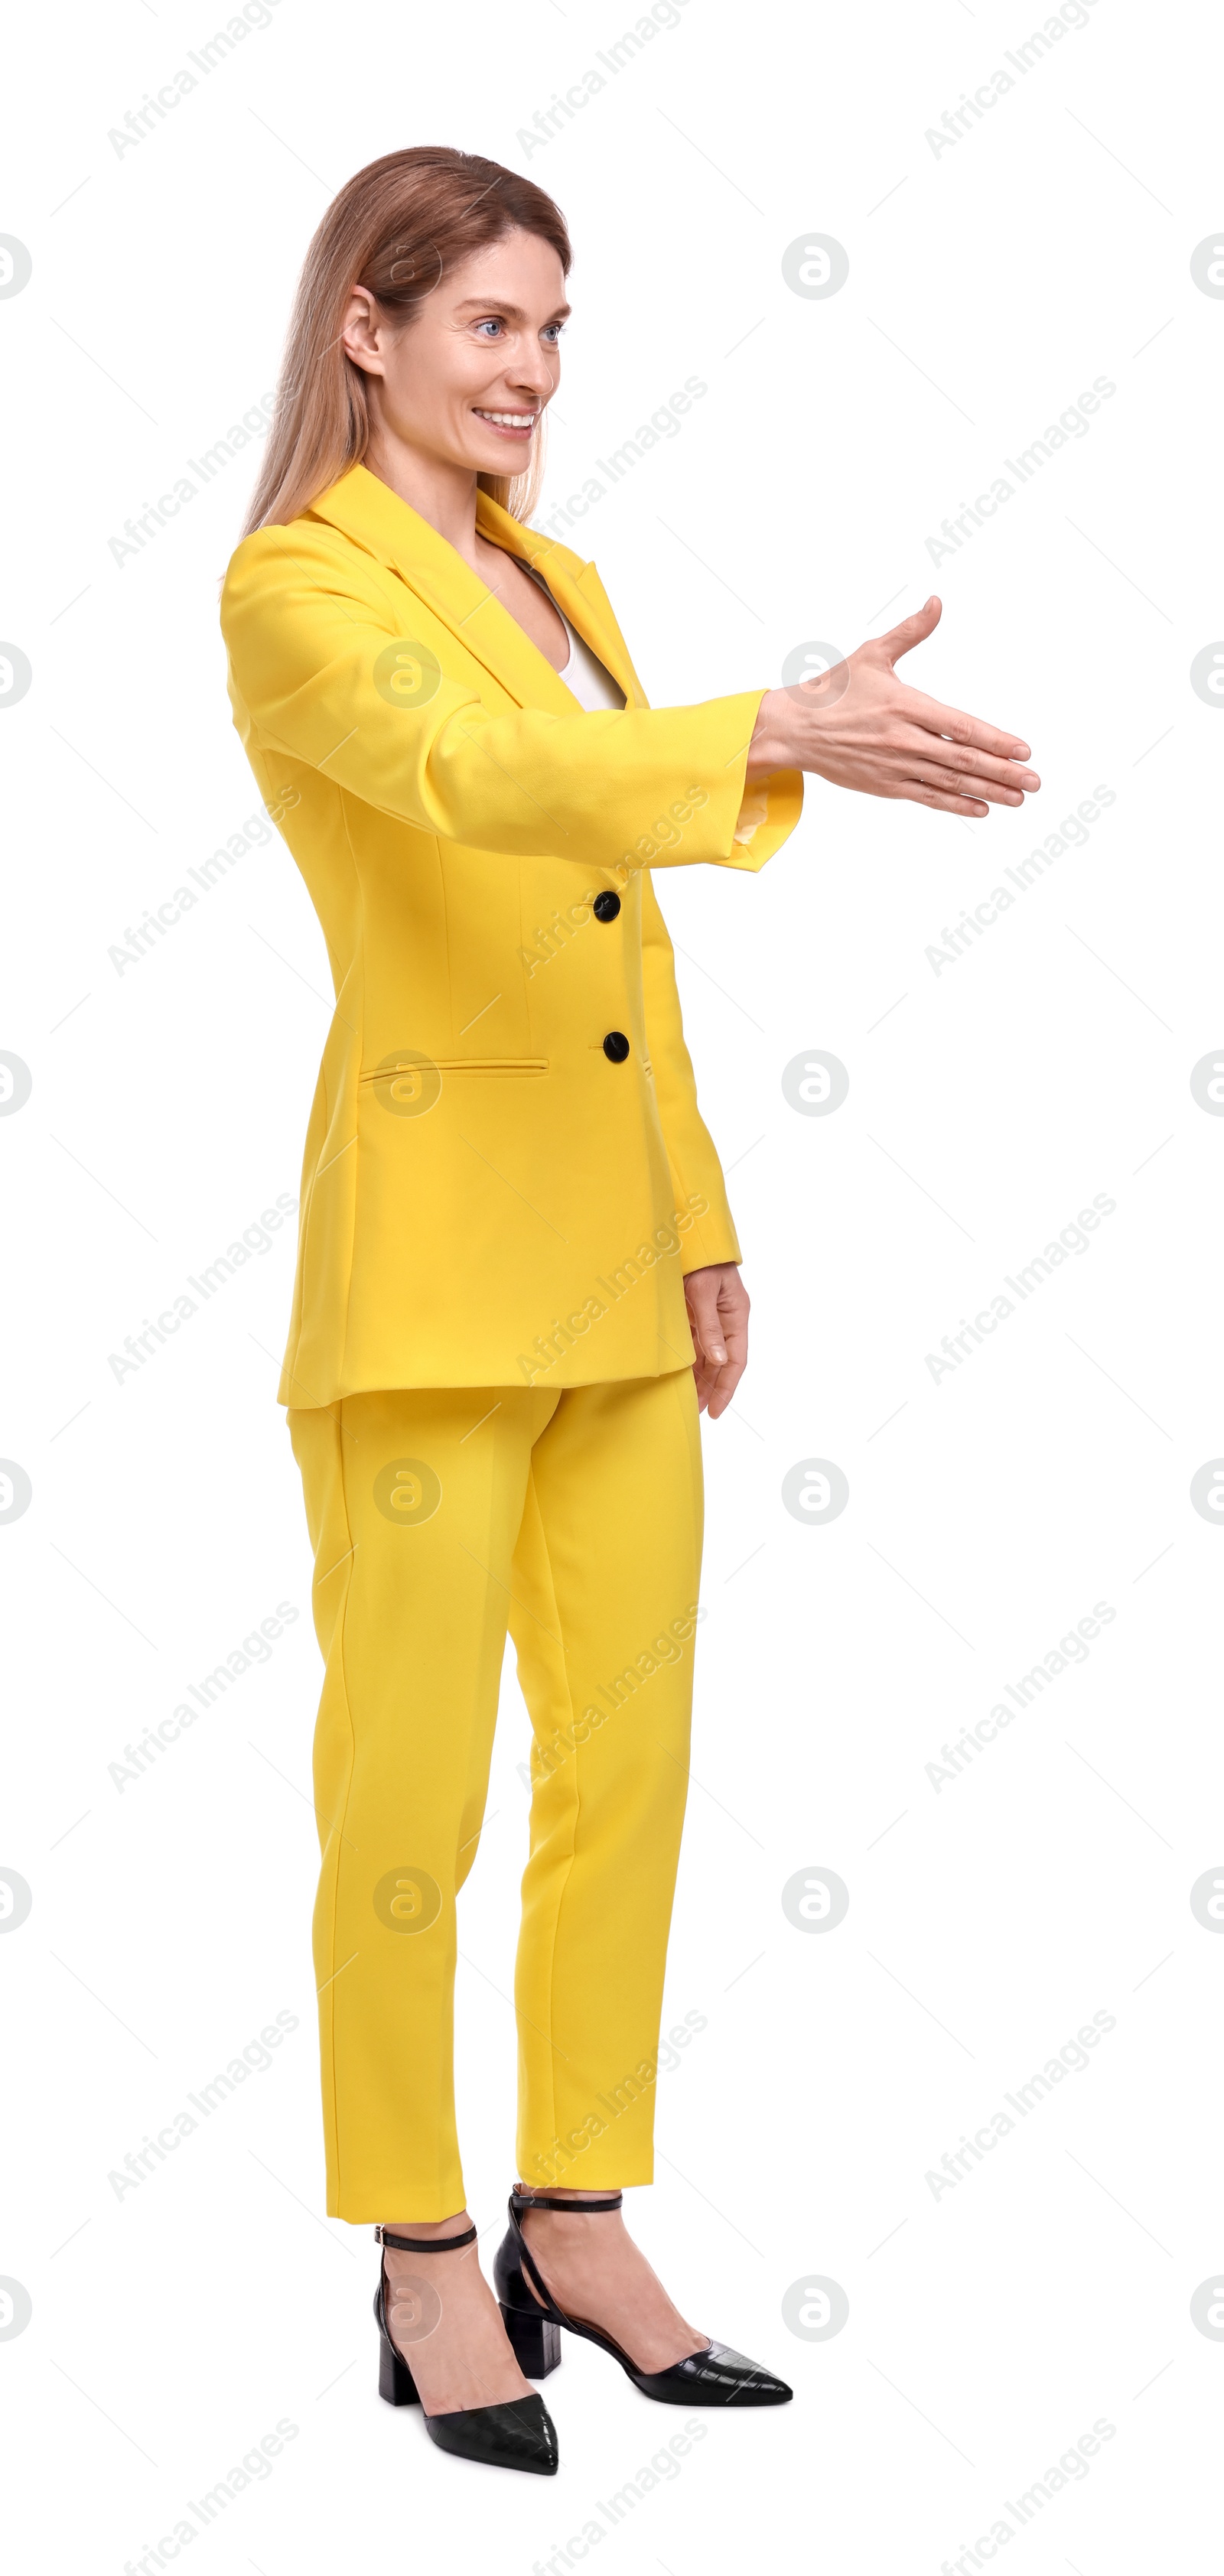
(616,1044)
(606,907)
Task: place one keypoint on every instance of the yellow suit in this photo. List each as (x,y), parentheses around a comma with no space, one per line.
(488,1373)
(476,1165)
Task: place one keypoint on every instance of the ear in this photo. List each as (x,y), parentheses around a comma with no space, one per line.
(360,331)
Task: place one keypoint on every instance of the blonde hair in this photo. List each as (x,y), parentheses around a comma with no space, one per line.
(394,229)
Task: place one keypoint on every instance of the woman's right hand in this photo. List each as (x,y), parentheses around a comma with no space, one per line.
(872,733)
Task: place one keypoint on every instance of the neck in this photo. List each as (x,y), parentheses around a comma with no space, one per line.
(438,491)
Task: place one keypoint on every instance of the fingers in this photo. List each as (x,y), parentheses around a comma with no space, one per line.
(916,794)
(724,1388)
(716,1386)
(966,758)
(912,630)
(718,1321)
(970,731)
(964,781)
(701,1290)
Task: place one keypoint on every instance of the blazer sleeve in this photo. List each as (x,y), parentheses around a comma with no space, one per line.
(309,661)
(696,1172)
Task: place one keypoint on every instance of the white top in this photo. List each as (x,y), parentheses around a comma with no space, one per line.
(589,678)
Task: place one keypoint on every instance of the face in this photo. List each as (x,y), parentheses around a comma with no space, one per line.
(465,377)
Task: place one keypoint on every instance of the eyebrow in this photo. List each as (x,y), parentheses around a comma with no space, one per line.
(510,312)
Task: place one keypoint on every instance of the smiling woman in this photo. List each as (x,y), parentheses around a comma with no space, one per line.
(390,239)
(444,719)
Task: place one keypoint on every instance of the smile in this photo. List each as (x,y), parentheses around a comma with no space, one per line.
(513,424)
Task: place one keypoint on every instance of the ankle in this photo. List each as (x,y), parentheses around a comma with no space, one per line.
(606,2194)
(427,2226)
(579,2232)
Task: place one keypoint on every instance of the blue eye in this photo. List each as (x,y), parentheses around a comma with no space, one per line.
(493,322)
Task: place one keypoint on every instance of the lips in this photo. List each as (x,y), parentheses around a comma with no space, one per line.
(511,424)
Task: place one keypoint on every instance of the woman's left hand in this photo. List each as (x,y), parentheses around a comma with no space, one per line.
(718,1320)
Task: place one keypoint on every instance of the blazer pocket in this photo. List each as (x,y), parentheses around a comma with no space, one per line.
(492,1064)
(489,1064)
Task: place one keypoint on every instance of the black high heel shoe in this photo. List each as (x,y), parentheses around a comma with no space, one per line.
(519,2434)
(715,2376)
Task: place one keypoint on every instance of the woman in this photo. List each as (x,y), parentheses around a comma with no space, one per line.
(518,1277)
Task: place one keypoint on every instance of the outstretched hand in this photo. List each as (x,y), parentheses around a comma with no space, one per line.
(859,726)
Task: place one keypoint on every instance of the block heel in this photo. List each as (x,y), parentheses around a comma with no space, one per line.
(535,2341)
(519,2434)
(395,2380)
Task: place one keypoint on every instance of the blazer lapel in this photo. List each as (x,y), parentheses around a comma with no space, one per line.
(367,511)
(580,595)
(606,639)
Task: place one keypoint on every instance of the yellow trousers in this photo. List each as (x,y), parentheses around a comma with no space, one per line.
(438,1518)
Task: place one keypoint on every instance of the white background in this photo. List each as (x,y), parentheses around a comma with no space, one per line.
(990,1917)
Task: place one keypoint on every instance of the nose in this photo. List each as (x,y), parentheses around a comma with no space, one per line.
(528,371)
(529,383)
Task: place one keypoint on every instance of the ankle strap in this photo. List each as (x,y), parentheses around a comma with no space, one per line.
(424,2244)
(544,2200)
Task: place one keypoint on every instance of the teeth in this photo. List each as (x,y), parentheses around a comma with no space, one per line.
(511,419)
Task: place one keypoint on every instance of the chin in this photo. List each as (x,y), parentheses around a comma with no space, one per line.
(509,456)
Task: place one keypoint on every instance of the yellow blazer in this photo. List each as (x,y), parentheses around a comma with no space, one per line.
(490,1194)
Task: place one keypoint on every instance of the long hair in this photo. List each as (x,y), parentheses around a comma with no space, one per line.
(394,229)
